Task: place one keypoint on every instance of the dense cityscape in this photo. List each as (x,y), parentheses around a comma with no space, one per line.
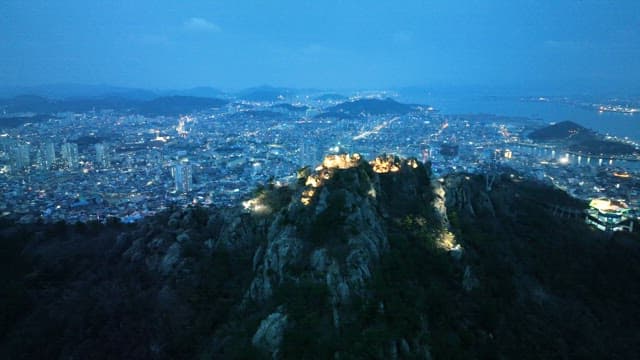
(320,179)
(107,163)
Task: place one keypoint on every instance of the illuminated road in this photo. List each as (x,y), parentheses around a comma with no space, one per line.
(376,129)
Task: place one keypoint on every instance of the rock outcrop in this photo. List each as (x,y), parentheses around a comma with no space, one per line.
(335,234)
(270,332)
(467,196)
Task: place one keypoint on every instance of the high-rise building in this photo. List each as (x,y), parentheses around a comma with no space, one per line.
(69,152)
(309,155)
(6,143)
(48,155)
(22,158)
(304,154)
(183,177)
(102,155)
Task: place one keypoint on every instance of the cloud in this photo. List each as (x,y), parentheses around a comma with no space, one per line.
(197,24)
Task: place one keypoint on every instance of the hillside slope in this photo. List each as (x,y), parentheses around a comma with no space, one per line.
(357,260)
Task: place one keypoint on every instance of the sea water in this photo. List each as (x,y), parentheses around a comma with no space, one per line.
(608,123)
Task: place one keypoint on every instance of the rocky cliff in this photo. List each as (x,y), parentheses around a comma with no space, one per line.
(333,236)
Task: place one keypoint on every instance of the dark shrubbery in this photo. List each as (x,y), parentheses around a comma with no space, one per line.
(328,226)
(87,290)
(310,334)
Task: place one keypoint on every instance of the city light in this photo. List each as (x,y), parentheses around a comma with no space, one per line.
(230,150)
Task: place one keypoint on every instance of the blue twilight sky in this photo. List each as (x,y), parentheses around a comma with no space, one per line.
(585,45)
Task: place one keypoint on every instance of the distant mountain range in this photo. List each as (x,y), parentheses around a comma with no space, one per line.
(61,91)
(74,91)
(165,105)
(580,139)
(65,91)
(266,93)
(359,107)
(21,109)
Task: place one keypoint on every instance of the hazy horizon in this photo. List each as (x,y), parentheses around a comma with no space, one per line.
(562,47)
